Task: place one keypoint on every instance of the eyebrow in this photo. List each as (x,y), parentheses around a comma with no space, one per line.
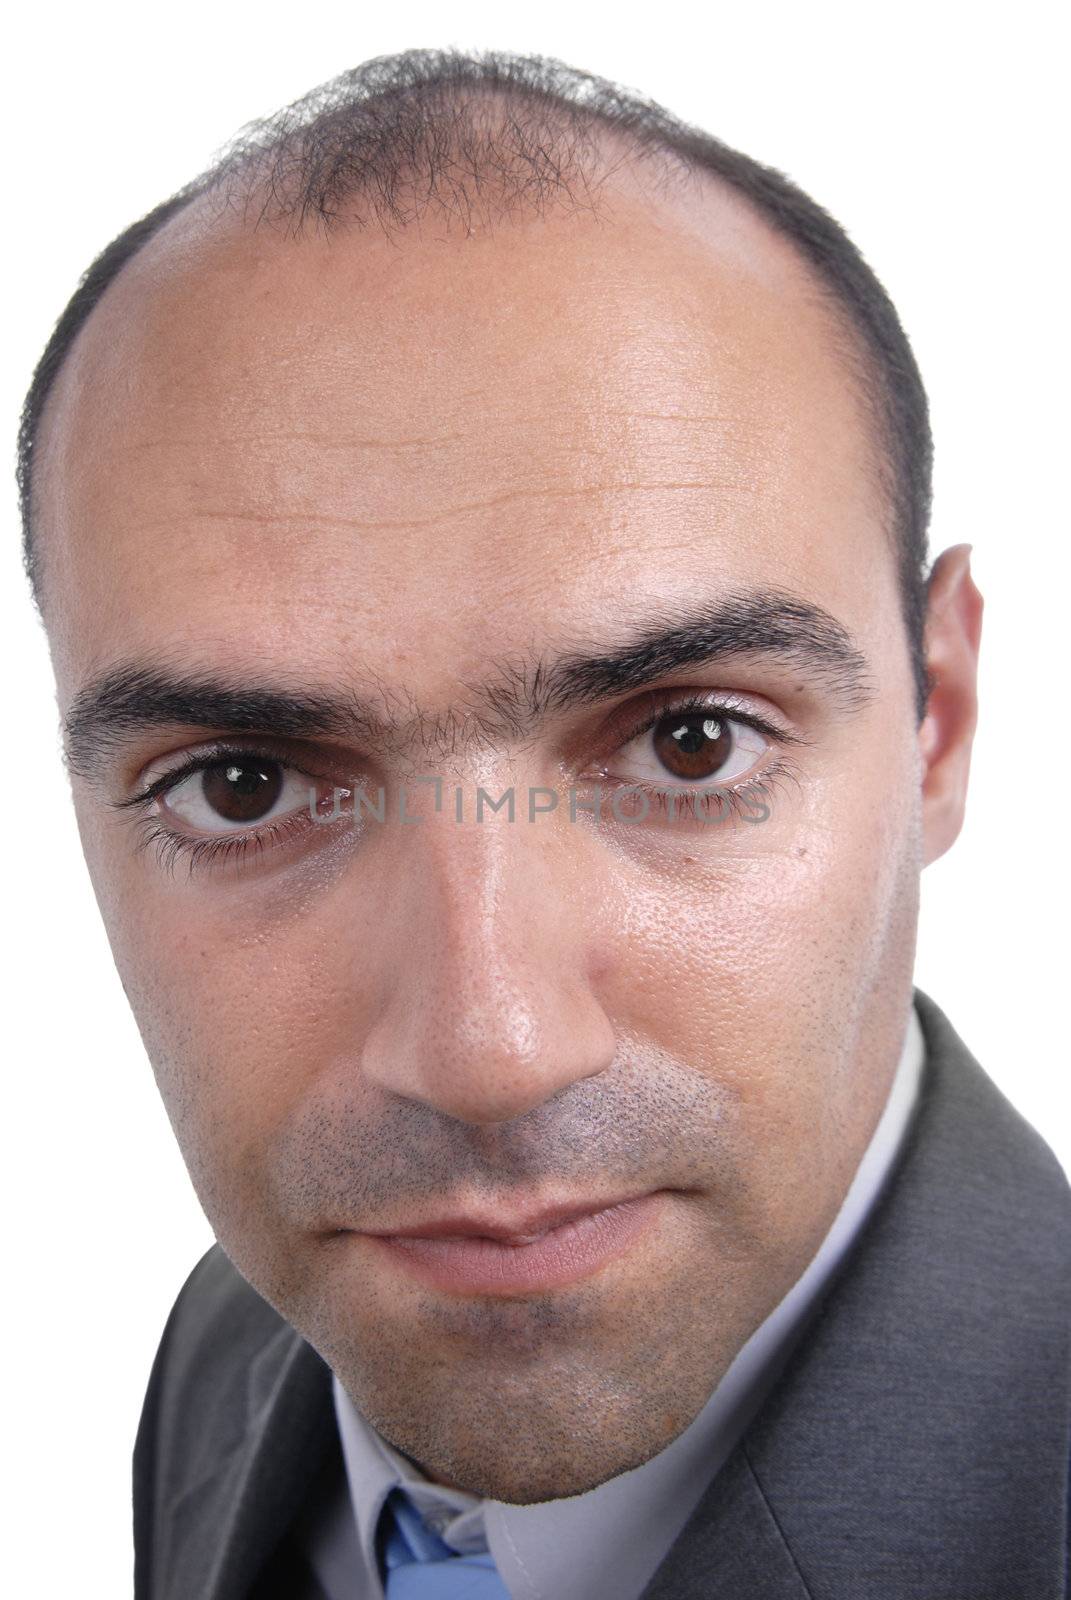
(110,711)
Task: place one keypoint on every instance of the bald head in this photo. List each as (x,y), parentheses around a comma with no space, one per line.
(443,146)
(246,401)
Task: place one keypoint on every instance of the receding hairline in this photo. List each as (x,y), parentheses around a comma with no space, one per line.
(401,128)
(249,201)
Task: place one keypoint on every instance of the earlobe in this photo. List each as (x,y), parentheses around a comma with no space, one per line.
(946,735)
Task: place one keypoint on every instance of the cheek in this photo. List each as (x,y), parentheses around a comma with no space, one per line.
(227,980)
(223,1037)
(732,952)
(229,1017)
(783,974)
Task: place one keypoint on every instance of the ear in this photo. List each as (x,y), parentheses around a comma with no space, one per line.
(953,631)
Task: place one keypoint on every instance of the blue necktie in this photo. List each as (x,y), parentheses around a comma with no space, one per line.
(421,1566)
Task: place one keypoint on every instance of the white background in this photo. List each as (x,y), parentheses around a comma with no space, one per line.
(931,131)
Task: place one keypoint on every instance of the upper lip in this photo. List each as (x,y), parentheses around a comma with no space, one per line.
(529,1226)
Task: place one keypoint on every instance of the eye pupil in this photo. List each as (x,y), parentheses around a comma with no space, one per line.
(242,791)
(692,746)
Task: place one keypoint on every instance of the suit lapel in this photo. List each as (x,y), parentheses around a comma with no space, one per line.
(916,1440)
(222,1530)
(731,1548)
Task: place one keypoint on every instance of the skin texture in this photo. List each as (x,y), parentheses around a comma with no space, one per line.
(388,467)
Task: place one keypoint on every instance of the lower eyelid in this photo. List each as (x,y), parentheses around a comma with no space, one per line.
(208,849)
(753,788)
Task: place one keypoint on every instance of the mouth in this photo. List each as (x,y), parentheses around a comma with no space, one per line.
(561,1245)
(517,1230)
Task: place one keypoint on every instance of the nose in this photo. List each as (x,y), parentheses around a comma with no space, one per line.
(486,965)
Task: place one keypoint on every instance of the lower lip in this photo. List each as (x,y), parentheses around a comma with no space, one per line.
(562,1255)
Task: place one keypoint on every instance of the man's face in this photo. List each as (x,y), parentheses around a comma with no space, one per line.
(415,482)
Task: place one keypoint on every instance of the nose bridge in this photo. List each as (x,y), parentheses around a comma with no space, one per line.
(487,1006)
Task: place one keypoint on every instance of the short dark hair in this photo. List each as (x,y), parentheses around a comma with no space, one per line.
(408,127)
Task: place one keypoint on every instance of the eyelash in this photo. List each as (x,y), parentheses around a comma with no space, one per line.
(170,846)
(198,853)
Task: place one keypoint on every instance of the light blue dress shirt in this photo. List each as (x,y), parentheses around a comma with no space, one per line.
(611,1539)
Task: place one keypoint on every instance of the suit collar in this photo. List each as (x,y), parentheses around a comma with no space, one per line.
(917,1439)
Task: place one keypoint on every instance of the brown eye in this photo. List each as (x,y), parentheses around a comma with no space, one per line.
(234,792)
(242,791)
(690,748)
(693,746)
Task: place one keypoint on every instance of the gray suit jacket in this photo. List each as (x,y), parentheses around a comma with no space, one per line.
(915,1447)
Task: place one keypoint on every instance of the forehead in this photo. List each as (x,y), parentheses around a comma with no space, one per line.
(326,445)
